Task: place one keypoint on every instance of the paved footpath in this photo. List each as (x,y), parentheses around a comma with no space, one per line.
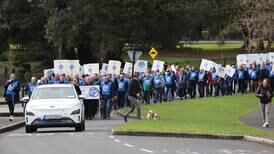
(255,119)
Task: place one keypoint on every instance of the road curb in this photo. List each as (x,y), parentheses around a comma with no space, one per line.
(178,135)
(198,136)
(12,126)
(258,140)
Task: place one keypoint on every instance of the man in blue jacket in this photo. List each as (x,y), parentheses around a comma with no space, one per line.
(106,90)
(122,89)
(193,78)
(31,86)
(11,94)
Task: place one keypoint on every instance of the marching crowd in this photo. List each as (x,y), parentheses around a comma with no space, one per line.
(157,87)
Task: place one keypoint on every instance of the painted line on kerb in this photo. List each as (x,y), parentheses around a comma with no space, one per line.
(118,141)
(111,136)
(128,145)
(148,151)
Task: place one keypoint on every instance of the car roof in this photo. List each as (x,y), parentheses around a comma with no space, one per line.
(55,86)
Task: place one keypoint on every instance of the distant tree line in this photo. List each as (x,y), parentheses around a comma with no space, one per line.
(97,30)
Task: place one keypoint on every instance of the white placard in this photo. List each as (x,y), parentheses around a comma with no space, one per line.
(73,67)
(49,72)
(91,69)
(262,58)
(141,66)
(229,70)
(206,65)
(241,59)
(114,67)
(104,69)
(271,57)
(127,67)
(158,65)
(251,58)
(60,66)
(91,92)
(220,71)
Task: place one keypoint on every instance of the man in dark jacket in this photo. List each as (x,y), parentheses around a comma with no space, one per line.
(11,94)
(134,91)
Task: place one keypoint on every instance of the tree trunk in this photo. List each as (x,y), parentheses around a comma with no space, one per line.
(269,42)
(60,48)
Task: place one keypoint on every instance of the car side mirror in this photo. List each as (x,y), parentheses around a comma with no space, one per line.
(82,96)
(25,99)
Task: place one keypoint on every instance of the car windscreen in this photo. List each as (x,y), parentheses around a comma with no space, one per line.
(54,93)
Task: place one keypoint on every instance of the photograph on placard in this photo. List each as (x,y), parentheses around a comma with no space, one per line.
(141,66)
(157,65)
(114,67)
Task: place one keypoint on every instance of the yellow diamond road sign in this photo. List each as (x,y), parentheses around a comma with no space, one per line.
(153,53)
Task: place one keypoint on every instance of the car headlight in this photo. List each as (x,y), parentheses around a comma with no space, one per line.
(28,113)
(75,112)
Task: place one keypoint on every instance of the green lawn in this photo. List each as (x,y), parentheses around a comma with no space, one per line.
(193,61)
(214,47)
(209,115)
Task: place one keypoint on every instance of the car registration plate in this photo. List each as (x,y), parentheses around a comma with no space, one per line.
(52,117)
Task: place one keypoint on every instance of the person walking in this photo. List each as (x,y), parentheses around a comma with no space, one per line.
(11,94)
(265,94)
(134,91)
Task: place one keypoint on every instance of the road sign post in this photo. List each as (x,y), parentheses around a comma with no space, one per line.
(134,56)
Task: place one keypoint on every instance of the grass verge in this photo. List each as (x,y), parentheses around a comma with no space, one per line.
(203,116)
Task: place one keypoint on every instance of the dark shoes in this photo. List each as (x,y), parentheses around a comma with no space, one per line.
(125,118)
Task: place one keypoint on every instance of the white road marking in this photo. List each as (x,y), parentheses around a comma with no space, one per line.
(12,135)
(148,151)
(225,151)
(118,141)
(165,151)
(90,134)
(71,134)
(129,145)
(111,136)
(38,134)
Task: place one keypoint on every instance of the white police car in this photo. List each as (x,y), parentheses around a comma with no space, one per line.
(56,105)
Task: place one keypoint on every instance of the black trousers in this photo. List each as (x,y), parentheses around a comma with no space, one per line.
(192,88)
(121,100)
(11,100)
(201,87)
(242,85)
(147,95)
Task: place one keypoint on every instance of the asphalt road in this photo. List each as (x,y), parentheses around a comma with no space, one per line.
(98,139)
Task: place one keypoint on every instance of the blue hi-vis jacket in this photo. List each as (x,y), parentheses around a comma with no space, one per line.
(241,74)
(168,80)
(214,76)
(13,85)
(147,83)
(122,85)
(30,87)
(193,75)
(254,74)
(157,81)
(201,76)
(182,79)
(271,74)
(106,88)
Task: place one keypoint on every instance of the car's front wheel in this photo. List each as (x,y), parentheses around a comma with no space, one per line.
(30,129)
(80,127)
